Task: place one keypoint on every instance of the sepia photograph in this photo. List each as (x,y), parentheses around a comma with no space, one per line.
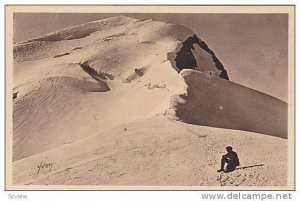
(150,98)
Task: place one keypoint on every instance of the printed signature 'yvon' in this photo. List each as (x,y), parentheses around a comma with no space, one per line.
(44,166)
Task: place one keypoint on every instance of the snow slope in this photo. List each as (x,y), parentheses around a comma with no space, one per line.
(159,152)
(119,89)
(216,102)
(56,78)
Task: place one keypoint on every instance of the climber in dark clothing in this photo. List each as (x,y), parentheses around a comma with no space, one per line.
(232,160)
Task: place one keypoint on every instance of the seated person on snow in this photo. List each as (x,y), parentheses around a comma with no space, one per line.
(232,160)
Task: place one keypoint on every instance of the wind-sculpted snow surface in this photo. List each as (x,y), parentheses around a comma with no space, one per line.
(80,95)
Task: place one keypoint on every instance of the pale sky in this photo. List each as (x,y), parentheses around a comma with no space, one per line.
(252,47)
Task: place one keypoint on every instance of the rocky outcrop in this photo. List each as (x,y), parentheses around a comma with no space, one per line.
(193,53)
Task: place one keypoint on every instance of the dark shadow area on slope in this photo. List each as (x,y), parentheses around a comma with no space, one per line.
(249,166)
(82,30)
(215,102)
(93,73)
(61,55)
(184,58)
(32,51)
(65,35)
(77,48)
(15,95)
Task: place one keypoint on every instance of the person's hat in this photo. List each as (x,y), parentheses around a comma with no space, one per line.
(228,148)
